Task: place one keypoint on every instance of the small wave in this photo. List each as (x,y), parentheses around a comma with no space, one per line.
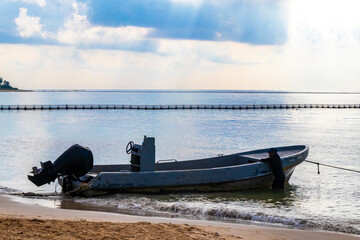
(224,212)
(6,190)
(209,211)
(43,195)
(216,211)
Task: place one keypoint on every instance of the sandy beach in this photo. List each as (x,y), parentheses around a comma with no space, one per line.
(31,221)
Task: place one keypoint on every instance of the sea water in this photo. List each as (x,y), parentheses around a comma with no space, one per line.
(329,201)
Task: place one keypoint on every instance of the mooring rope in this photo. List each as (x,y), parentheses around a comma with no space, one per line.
(331,166)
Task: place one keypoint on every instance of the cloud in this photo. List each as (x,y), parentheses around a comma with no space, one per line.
(41,3)
(194,3)
(253,22)
(78,30)
(196,52)
(28,26)
(138,25)
(68,67)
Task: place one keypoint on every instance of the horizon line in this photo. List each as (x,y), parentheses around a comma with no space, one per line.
(191,91)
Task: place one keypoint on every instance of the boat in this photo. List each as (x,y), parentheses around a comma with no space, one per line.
(143,175)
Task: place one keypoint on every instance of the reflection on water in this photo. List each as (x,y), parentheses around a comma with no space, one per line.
(284,198)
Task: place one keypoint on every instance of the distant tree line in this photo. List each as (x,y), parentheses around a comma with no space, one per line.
(5,85)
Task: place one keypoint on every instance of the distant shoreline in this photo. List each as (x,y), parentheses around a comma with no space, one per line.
(179,91)
(19,90)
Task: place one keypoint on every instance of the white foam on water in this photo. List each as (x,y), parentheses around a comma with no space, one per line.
(209,210)
(218,211)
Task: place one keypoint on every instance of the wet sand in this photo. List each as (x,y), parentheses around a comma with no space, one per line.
(31,221)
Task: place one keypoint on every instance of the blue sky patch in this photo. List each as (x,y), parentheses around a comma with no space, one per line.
(252,22)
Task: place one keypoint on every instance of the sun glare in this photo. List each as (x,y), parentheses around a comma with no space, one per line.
(328,15)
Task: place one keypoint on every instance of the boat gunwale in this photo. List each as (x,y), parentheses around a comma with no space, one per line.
(203,169)
(305,148)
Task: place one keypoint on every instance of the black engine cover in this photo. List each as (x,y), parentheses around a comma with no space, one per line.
(77,161)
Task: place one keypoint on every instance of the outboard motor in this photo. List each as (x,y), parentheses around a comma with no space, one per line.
(76,161)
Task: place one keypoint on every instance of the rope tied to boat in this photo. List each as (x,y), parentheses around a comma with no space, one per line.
(332,166)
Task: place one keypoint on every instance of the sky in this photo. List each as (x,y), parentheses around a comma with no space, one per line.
(293,45)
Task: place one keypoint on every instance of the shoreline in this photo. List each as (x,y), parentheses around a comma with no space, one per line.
(12,209)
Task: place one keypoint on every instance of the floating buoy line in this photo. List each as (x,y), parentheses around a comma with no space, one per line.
(175,106)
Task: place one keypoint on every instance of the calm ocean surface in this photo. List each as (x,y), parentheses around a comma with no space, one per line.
(329,201)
